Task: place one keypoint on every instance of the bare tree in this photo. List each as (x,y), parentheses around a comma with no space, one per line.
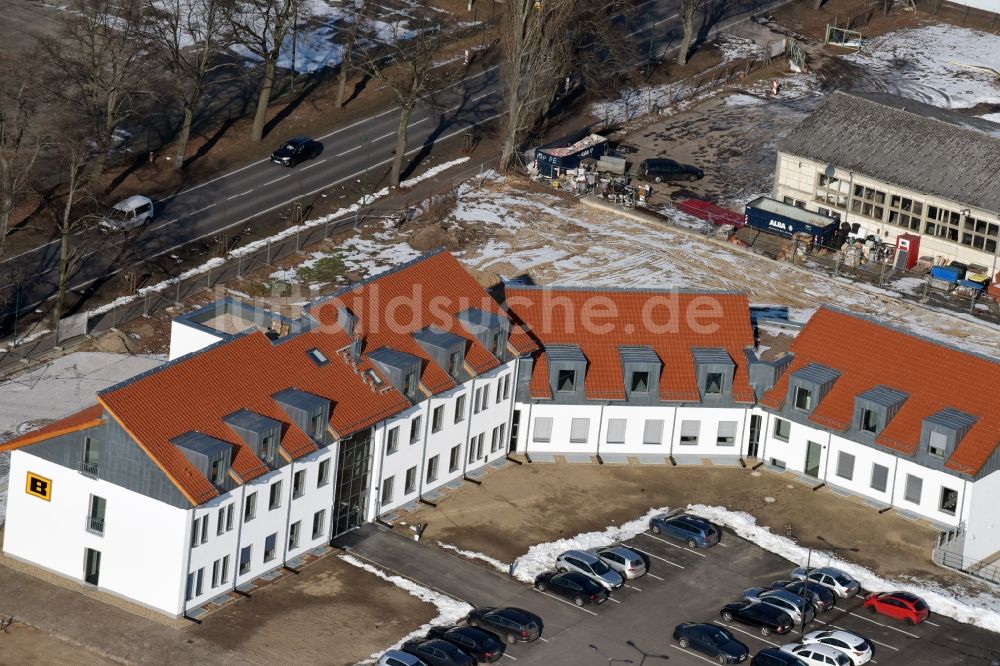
(187,36)
(97,65)
(689,11)
(20,143)
(818,4)
(262,26)
(404,68)
(357,13)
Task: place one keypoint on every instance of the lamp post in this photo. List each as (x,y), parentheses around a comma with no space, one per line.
(611,660)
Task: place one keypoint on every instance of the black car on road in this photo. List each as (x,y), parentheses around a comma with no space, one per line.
(574,586)
(295,150)
(484,646)
(775,657)
(765,617)
(822,598)
(712,640)
(437,652)
(513,625)
(659,170)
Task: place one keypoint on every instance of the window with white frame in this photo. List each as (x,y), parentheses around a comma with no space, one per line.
(455,458)
(477,400)
(803,398)
(726,434)
(245,559)
(616,431)
(782,429)
(298,483)
(914,488)
(324,473)
(484,405)
(411,480)
(579,431)
(832,191)
(949,501)
(652,432)
(437,418)
(845,465)
(387,490)
(415,429)
(689,432)
(880,477)
(270,547)
(460,409)
(392,440)
(250,507)
(542,432)
(869,420)
(293,535)
(937,444)
(319,522)
(432,469)
(274,499)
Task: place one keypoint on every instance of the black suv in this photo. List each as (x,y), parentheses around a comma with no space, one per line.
(765,617)
(572,585)
(295,150)
(659,170)
(481,644)
(713,640)
(513,625)
(438,653)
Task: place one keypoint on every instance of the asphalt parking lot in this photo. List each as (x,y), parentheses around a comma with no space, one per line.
(682,585)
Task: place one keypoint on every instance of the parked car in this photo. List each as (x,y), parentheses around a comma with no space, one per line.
(695,532)
(659,170)
(576,587)
(904,606)
(765,617)
(483,646)
(792,604)
(590,565)
(437,652)
(775,657)
(822,598)
(858,650)
(817,654)
(712,640)
(127,214)
(513,625)
(831,577)
(400,658)
(295,150)
(625,561)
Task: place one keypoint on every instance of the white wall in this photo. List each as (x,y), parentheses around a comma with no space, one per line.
(265,523)
(982,533)
(986,5)
(185,339)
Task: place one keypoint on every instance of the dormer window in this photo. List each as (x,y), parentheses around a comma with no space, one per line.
(316,426)
(869,420)
(566,381)
(408,382)
(217,471)
(454,362)
(495,343)
(713,383)
(640,382)
(267,447)
(803,399)
(937,444)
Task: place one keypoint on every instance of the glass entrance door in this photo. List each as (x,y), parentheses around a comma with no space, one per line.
(813,451)
(353,469)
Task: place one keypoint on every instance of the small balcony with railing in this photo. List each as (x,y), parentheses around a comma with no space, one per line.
(95,525)
(88,468)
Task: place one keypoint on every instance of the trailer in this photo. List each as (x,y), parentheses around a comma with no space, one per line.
(773,216)
(551,162)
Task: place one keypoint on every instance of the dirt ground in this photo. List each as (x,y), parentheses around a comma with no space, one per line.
(24,645)
(522,505)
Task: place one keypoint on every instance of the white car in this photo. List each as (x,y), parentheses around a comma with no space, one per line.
(817,654)
(128,213)
(400,658)
(830,577)
(591,566)
(855,647)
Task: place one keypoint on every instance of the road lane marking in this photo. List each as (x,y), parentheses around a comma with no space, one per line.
(748,633)
(673,545)
(656,23)
(657,577)
(544,640)
(509,657)
(634,588)
(369,142)
(287,175)
(931,623)
(568,603)
(867,638)
(241,195)
(887,626)
(678,647)
(614,600)
(310,166)
(679,566)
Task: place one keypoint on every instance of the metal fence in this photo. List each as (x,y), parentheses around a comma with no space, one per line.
(946,558)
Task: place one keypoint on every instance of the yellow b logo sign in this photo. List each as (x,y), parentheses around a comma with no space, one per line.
(39,486)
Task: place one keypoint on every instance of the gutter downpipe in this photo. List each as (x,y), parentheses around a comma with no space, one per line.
(187,563)
(527,432)
(673,428)
(423,447)
(468,426)
(513,400)
(600,426)
(288,514)
(239,534)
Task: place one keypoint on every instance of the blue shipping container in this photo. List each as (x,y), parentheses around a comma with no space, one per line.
(946,273)
(780,218)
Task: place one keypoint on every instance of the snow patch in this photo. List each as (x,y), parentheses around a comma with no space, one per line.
(31,337)
(473,555)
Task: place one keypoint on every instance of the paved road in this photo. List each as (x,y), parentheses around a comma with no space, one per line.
(349,152)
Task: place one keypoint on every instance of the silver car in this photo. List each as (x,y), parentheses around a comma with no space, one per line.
(830,577)
(590,565)
(623,560)
(787,601)
(400,658)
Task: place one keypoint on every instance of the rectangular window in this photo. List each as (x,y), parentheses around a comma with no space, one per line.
(914,487)
(415,429)
(566,381)
(454,363)
(579,429)
(195,531)
(224,575)
(392,441)
(782,429)
(95,519)
(640,382)
(502,388)
(91,451)
(245,559)
(477,400)
(216,472)
(949,500)
(455,458)
(486,398)
(869,420)
(317,426)
(411,481)
(506,387)
(845,465)
(298,483)
(293,535)
(476,447)
(652,432)
(324,473)
(229,516)
(713,383)
(880,478)
(200,584)
(387,490)
(726,434)
(437,419)
(689,432)
(319,521)
(220,522)
(274,498)
(216,568)
(432,469)
(460,409)
(204,529)
(494,439)
(267,447)
(937,444)
(500,439)
(616,431)
(803,399)
(868,202)
(409,382)
(495,343)
(542,431)
(188,589)
(270,547)
(250,507)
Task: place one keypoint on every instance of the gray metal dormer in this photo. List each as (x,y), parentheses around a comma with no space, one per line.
(940,433)
(714,369)
(641,368)
(489,328)
(212,457)
(261,433)
(309,412)
(765,374)
(446,349)
(400,369)
(874,408)
(808,385)
(567,370)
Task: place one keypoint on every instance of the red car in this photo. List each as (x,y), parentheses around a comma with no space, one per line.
(904,606)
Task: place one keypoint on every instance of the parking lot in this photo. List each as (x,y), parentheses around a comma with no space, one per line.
(682,585)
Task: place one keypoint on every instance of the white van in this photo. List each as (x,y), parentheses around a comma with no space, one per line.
(132,212)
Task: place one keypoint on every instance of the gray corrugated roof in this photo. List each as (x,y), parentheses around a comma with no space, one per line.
(565,353)
(885,396)
(201,443)
(906,143)
(436,337)
(393,358)
(954,419)
(251,421)
(709,355)
(638,355)
(816,373)
(476,320)
(299,399)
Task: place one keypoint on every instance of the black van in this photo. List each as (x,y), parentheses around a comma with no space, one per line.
(659,170)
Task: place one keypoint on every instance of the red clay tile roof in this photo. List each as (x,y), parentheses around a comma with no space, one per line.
(81,420)
(933,375)
(635,318)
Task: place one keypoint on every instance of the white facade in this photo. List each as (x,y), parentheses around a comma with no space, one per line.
(982,527)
